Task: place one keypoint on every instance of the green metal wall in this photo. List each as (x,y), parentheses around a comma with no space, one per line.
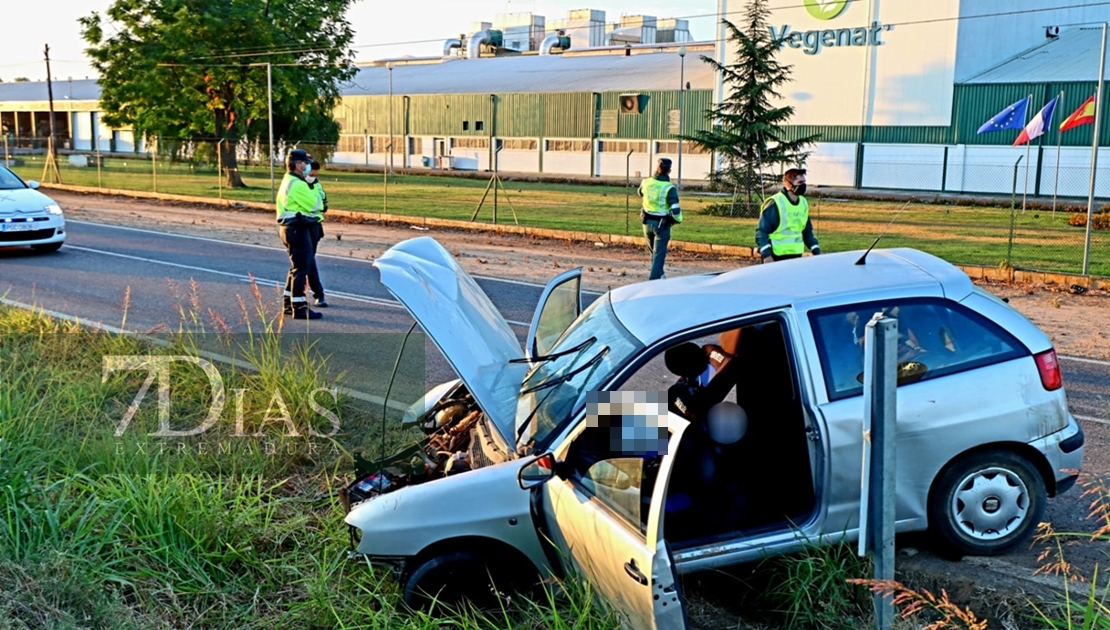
(545,115)
(575,114)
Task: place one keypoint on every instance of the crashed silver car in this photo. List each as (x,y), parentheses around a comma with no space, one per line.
(763,407)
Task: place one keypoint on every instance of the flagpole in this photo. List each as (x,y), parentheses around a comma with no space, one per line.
(1094,151)
(1025,186)
(1059,138)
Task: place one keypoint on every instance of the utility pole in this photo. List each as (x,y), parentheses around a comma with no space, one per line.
(51,159)
(270,120)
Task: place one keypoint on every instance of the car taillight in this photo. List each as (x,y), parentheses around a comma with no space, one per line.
(1049,367)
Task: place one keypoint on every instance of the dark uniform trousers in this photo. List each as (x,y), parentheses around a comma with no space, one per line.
(297,238)
(317,233)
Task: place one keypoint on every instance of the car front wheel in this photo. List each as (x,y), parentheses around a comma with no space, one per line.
(451,580)
(987,503)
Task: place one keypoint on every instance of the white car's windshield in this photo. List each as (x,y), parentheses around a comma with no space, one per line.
(9,181)
(554,390)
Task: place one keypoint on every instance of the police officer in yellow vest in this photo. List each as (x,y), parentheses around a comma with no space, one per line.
(317,233)
(660,210)
(296,217)
(784,230)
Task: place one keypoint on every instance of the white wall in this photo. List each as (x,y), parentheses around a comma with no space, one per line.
(1075,172)
(469,159)
(348,157)
(832,164)
(518,161)
(82,130)
(566,162)
(612,164)
(990,169)
(911,167)
(102,133)
(125,141)
(908,80)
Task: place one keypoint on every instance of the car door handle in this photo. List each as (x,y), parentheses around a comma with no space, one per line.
(634,572)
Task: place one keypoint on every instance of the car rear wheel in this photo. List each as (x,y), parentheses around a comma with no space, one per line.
(47,248)
(986,503)
(451,580)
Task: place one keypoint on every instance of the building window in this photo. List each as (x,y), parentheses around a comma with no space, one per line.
(478,125)
(352,144)
(519,144)
(470,143)
(416,146)
(671,147)
(567,145)
(380,144)
(622,146)
(466,125)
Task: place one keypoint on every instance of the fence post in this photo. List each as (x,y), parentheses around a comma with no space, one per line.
(877,499)
(627,187)
(7,158)
(859,165)
(1013,216)
(944,171)
(154,165)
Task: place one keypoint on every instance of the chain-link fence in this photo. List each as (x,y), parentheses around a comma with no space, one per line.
(971,223)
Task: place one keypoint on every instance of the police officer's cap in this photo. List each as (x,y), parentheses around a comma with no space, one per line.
(664,164)
(296,155)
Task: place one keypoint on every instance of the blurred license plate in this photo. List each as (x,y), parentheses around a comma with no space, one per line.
(17,227)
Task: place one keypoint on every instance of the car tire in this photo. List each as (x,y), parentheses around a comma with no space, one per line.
(451,580)
(986,503)
(47,248)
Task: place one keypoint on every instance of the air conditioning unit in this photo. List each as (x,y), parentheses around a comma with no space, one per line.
(631,103)
(1052,32)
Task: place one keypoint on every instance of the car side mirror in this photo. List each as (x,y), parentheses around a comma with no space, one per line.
(33,185)
(537,472)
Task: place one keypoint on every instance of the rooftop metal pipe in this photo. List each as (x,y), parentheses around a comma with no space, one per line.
(554,41)
(474,44)
(449,44)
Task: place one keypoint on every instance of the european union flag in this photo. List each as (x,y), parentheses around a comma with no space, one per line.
(1013,117)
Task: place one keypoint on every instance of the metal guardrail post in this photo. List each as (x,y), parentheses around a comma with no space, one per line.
(877,497)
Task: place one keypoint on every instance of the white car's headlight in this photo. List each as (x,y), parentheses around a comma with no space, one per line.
(53,209)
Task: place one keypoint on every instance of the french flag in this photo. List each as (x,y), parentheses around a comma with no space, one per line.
(1037,126)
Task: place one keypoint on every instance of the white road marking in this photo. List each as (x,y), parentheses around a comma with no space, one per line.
(62,316)
(282,249)
(366,299)
(1085,360)
(1091,419)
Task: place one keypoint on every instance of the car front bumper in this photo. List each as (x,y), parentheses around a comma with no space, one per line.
(36,231)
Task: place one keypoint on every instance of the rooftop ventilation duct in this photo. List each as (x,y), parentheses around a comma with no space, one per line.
(626,35)
(451,44)
(560,41)
(474,44)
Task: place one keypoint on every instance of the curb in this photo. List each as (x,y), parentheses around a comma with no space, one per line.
(1008,275)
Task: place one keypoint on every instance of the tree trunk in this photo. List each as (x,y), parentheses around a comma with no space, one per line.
(225,122)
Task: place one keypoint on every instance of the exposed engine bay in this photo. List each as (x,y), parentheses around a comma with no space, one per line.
(456,440)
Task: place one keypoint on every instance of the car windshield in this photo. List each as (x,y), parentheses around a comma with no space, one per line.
(555,390)
(9,180)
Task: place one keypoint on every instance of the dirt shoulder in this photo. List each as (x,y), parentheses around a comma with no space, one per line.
(1078,324)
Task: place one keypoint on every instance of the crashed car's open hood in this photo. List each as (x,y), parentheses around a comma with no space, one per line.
(463,323)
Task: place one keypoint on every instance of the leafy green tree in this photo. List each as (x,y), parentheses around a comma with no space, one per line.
(747,128)
(195,70)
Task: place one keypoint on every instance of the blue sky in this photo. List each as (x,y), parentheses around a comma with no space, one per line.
(418,26)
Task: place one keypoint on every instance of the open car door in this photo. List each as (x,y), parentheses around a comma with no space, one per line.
(605,512)
(560,304)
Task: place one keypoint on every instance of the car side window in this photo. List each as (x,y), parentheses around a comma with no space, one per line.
(618,484)
(935,338)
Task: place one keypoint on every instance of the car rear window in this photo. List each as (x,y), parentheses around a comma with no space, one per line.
(935,338)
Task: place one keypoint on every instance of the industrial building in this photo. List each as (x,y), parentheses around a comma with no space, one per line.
(895,90)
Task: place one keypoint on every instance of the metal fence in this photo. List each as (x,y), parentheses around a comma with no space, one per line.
(992,224)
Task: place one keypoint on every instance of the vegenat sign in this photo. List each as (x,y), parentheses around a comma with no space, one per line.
(813,41)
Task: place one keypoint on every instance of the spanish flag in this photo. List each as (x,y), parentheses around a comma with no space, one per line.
(1085,115)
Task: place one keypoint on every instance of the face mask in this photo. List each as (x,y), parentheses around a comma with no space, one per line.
(800,189)
(310,179)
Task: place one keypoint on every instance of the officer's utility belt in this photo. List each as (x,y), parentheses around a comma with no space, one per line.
(645,215)
(298,219)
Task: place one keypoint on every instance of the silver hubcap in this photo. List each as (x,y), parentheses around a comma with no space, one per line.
(990,504)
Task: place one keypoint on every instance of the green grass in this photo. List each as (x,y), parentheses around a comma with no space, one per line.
(961,234)
(97,533)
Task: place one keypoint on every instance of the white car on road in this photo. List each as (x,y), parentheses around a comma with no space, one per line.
(28,217)
(514,479)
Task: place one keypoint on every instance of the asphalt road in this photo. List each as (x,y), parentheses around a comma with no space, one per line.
(90,276)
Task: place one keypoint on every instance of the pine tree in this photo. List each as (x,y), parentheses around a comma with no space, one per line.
(747,128)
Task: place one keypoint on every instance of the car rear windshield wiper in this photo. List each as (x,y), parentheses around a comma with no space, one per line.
(551,357)
(559,380)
